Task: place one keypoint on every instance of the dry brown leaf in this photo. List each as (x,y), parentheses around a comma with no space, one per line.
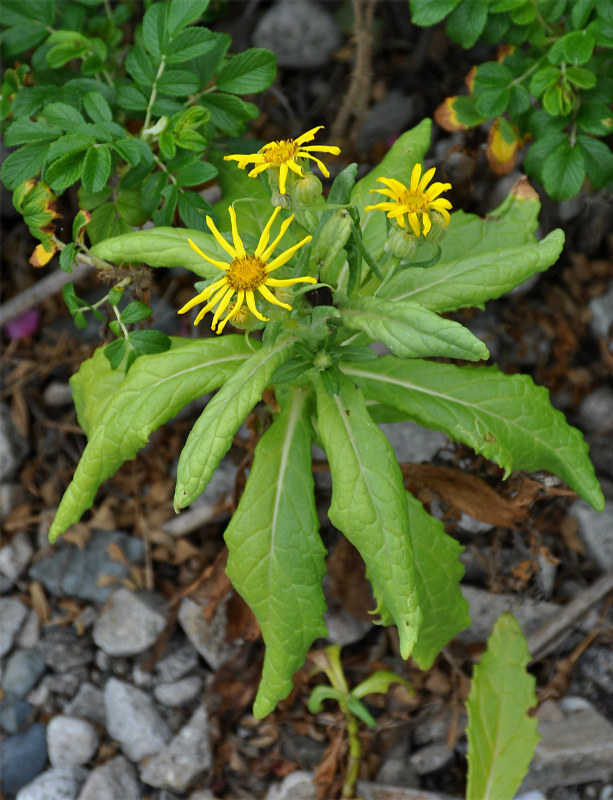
(78,534)
(184,550)
(106,580)
(39,601)
(325,780)
(569,530)
(115,553)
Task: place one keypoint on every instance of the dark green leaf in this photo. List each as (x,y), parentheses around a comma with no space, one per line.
(64,171)
(151,191)
(595,117)
(62,114)
(130,98)
(193,210)
(23,37)
(598,160)
(129,209)
(89,201)
(115,295)
(564,171)
(70,143)
(251,71)
(580,11)
(189,44)
(581,77)
(602,32)
(67,257)
(184,12)
(96,168)
(168,145)
(467,21)
(492,102)
(163,216)
(178,82)
(426,13)
(128,149)
(195,173)
(149,342)
(101,223)
(115,352)
(228,112)
(64,52)
(155,28)
(24,131)
(519,101)
(578,46)
(204,67)
(492,75)
(544,78)
(525,14)
(135,312)
(97,107)
(140,67)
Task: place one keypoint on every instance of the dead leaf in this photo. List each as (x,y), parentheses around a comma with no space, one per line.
(39,601)
(325,780)
(115,553)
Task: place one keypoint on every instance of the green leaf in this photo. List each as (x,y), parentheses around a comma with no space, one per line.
(96,168)
(544,78)
(578,46)
(115,353)
(481,258)
(24,131)
(97,107)
(130,98)
(467,21)
(67,257)
(492,102)
(155,389)
(149,342)
(212,435)
(135,312)
(504,417)
(426,13)
(228,112)
(439,572)
(23,164)
(368,503)
(66,51)
(248,72)
(193,210)
(140,67)
(64,171)
(23,37)
(195,172)
(164,215)
(184,12)
(409,149)
(595,117)
(93,386)
(501,735)
(538,152)
(580,12)
(581,77)
(189,44)
(178,82)
(492,75)
(129,150)
(564,171)
(101,223)
(410,330)
(164,247)
(276,558)
(155,28)
(62,114)
(598,160)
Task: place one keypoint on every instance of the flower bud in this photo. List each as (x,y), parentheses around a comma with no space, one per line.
(332,239)
(280,200)
(308,189)
(401,243)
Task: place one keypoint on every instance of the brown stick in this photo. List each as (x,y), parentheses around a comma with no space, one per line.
(547,637)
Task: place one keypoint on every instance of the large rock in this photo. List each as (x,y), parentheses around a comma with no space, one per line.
(63,650)
(133,720)
(130,622)
(114,780)
(185,760)
(178,693)
(71,742)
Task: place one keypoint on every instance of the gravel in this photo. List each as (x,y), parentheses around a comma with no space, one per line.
(59,783)
(130,623)
(71,742)
(22,757)
(12,617)
(133,720)
(115,780)
(178,693)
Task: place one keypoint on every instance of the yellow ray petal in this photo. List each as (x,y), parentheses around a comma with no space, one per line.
(427,177)
(282,177)
(425,218)
(200,298)
(288,281)
(223,304)
(212,302)
(308,136)
(265,235)
(414,223)
(294,167)
(252,307)
(220,240)
(319,163)
(238,304)
(436,189)
(392,184)
(415,173)
(272,247)
(322,148)
(381,206)
(285,257)
(235,237)
(214,261)
(258,168)
(271,298)
(440,203)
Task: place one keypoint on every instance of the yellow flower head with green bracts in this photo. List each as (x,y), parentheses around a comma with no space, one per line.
(283,155)
(414,200)
(245,273)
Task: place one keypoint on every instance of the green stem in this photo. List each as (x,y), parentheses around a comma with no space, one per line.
(192,98)
(154,91)
(124,330)
(355,755)
(529,71)
(165,169)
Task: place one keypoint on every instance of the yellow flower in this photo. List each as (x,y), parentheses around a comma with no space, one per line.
(283,154)
(245,273)
(410,201)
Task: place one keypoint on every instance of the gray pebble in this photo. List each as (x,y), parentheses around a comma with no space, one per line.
(71,742)
(114,780)
(596,530)
(133,720)
(16,555)
(595,413)
(88,704)
(130,623)
(185,760)
(63,650)
(23,671)
(180,659)
(13,447)
(413,443)
(22,757)
(13,713)
(12,617)
(389,116)
(209,638)
(431,758)
(178,693)
(59,783)
(602,313)
(29,636)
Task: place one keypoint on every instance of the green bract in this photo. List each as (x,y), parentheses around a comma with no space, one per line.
(330,388)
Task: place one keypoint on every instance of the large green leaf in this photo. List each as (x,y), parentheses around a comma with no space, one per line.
(501,735)
(481,258)
(505,417)
(153,391)
(164,247)
(369,505)
(439,572)
(406,151)
(211,437)
(93,388)
(276,558)
(410,330)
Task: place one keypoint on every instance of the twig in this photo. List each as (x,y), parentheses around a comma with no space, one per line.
(544,640)
(49,285)
(356,100)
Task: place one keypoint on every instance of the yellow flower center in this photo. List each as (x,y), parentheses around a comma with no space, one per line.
(415,201)
(246,274)
(280,152)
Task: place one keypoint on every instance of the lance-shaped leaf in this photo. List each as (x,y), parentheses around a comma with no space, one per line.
(163,247)
(481,258)
(410,330)
(155,389)
(276,558)
(368,503)
(505,417)
(93,388)
(210,438)
(501,735)
(439,571)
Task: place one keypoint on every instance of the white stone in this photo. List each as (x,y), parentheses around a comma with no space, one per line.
(16,555)
(71,742)
(186,758)
(178,693)
(596,530)
(12,617)
(59,783)
(115,780)
(133,720)
(130,623)
(209,638)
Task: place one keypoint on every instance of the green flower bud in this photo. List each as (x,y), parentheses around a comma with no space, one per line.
(332,239)
(280,200)
(437,231)
(401,243)
(307,189)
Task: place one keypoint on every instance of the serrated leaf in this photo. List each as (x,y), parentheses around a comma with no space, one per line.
(504,417)
(149,342)
(96,168)
(465,24)
(184,12)
(212,435)
(501,735)
(129,150)
(140,67)
(164,215)
(188,44)
(155,389)
(64,171)
(164,247)
(410,330)
(24,131)
(228,112)
(135,312)
(193,210)
(564,171)
(178,82)
(248,72)
(426,13)
(67,257)
(155,28)
(598,160)
(481,258)
(276,558)
(23,164)
(130,98)
(195,172)
(368,503)
(115,353)
(62,114)
(439,572)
